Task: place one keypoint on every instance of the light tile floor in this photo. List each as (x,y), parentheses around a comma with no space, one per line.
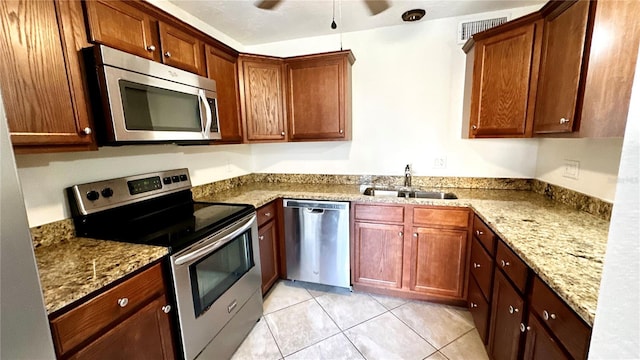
(311,321)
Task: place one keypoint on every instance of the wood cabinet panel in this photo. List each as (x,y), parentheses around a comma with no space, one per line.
(145,335)
(41,76)
(181,50)
(262,103)
(378,254)
(540,344)
(479,309)
(268,239)
(267,212)
(514,268)
(505,81)
(507,308)
(482,232)
(433,216)
(438,261)
(561,69)
(121,26)
(481,268)
(223,68)
(382,213)
(570,330)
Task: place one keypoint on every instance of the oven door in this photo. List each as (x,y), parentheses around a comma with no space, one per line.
(213,279)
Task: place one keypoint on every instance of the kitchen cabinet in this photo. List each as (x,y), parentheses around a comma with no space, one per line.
(507,313)
(481,272)
(130,319)
(540,344)
(319,96)
(41,76)
(223,68)
(261,82)
(588,60)
(411,251)
(502,70)
(268,230)
(123,25)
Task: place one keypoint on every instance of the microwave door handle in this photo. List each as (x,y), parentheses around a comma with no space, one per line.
(207,110)
(205,250)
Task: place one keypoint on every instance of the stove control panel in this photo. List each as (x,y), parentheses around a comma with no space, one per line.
(102,195)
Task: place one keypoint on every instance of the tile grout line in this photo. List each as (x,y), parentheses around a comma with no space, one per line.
(412,329)
(272,336)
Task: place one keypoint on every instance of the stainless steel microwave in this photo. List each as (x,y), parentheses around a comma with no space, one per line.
(143,101)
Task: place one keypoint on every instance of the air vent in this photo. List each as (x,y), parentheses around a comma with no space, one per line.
(468,28)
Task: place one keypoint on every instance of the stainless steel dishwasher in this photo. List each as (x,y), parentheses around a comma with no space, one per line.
(317,241)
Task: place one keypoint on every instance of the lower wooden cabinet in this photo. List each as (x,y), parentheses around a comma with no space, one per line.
(479,309)
(133,319)
(270,247)
(540,344)
(507,313)
(378,252)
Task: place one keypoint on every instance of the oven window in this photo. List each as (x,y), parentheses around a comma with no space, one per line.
(154,109)
(216,273)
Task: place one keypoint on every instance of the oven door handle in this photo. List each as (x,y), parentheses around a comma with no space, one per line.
(207,249)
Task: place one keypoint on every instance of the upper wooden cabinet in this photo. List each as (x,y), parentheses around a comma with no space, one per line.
(41,76)
(589,54)
(319,96)
(502,68)
(223,68)
(262,101)
(122,25)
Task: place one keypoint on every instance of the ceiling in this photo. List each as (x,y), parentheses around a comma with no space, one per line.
(292,19)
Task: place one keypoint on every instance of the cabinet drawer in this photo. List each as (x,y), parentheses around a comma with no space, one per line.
(481,267)
(484,234)
(570,330)
(439,216)
(515,269)
(479,308)
(92,317)
(266,213)
(386,213)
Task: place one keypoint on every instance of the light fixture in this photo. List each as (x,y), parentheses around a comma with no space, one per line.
(413,15)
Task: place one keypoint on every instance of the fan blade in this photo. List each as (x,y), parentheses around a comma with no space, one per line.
(377,6)
(267,4)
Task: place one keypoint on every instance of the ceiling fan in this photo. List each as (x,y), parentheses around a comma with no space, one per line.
(375,6)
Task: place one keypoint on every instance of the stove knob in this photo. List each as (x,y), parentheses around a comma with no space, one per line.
(93,195)
(107,192)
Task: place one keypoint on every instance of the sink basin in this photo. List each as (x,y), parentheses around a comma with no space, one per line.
(409,193)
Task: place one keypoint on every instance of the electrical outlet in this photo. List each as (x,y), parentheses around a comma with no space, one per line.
(571,169)
(440,162)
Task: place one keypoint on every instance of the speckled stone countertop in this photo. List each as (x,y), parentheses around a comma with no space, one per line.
(73,268)
(564,246)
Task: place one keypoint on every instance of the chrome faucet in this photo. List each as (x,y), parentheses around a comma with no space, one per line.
(407,176)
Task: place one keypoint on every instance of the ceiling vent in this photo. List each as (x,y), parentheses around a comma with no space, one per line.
(469,27)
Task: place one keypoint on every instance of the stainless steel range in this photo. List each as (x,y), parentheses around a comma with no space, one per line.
(216,276)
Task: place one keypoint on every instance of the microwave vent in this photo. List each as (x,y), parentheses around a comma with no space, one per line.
(467,28)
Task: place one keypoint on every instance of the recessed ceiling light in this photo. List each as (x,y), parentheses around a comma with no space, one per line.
(413,15)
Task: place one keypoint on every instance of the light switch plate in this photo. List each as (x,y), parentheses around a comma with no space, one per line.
(571,169)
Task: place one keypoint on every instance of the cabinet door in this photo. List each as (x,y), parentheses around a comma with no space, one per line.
(262,104)
(504,83)
(378,254)
(319,98)
(223,68)
(479,309)
(119,25)
(438,261)
(41,75)
(506,317)
(540,344)
(181,50)
(145,335)
(561,69)
(267,234)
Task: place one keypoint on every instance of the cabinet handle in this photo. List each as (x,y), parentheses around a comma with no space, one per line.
(400,234)
(474,127)
(563,121)
(476,265)
(123,302)
(524,328)
(415,234)
(87,131)
(478,232)
(282,133)
(474,305)
(267,214)
(151,48)
(546,315)
(504,263)
(341,131)
(512,309)
(167,54)
(166,308)
(261,237)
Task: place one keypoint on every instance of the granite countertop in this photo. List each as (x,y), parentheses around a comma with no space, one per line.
(73,268)
(564,246)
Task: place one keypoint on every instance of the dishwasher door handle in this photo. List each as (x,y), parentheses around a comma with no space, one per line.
(326,205)
(315,211)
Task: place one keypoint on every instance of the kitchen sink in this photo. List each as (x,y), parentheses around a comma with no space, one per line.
(408,193)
